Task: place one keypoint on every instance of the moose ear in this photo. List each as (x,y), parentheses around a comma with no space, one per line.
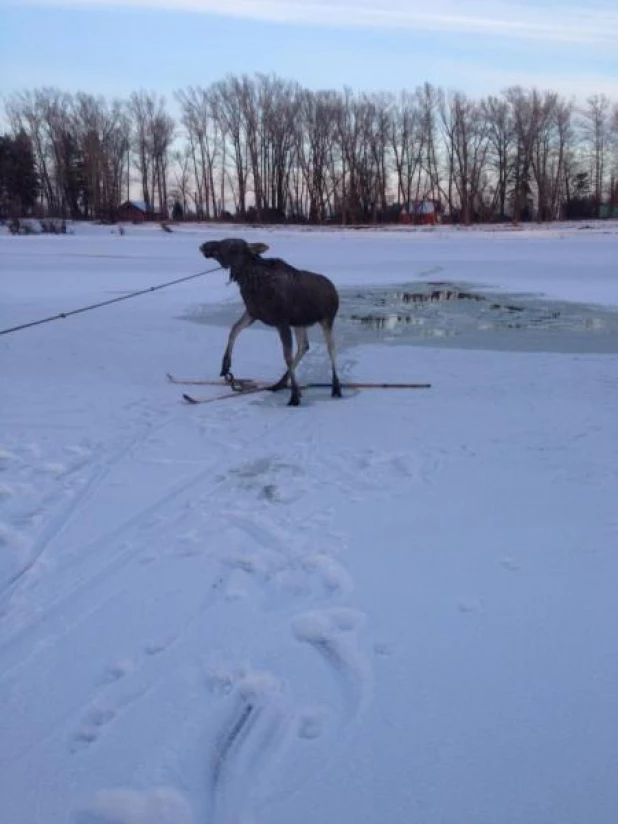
(258,248)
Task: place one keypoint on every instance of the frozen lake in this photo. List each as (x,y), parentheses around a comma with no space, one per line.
(393,607)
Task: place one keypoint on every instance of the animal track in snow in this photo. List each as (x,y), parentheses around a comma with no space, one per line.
(470,605)
(114,695)
(311,725)
(382,649)
(157,647)
(116,671)
(92,726)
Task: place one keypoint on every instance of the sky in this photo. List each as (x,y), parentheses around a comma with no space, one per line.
(113,47)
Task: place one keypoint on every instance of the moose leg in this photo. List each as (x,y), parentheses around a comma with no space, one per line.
(302,344)
(242,323)
(285,333)
(327,328)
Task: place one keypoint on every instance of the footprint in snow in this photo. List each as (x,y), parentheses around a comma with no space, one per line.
(470,605)
(258,731)
(114,696)
(510,564)
(117,670)
(333,634)
(157,647)
(91,727)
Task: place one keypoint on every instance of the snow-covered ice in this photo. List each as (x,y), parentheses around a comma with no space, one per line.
(396,607)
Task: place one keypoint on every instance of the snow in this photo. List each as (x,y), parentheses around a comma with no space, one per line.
(398,607)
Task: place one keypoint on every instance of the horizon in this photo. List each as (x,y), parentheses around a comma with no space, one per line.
(167,45)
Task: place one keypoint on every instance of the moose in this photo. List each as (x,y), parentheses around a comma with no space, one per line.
(278,295)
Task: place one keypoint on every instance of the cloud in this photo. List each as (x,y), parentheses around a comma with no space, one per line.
(594,23)
(479,78)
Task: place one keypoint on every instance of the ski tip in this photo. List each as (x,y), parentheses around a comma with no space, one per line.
(189,399)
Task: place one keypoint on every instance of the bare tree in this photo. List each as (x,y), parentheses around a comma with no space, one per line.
(613,184)
(596,127)
(466,142)
(181,192)
(501,136)
(103,133)
(406,136)
(523,106)
(141,108)
(198,107)
(280,112)
(428,98)
(314,137)
(228,95)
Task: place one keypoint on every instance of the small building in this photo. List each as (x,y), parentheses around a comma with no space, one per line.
(137,211)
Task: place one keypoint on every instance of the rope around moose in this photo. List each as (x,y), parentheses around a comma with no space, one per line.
(62,315)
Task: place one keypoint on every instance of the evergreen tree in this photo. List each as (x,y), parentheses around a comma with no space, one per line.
(19,184)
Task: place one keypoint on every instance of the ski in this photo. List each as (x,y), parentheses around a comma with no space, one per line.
(236,393)
(241,383)
(248,384)
(357,385)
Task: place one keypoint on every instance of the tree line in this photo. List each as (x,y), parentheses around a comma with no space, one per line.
(262,148)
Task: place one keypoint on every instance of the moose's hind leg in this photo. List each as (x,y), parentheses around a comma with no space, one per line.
(302,344)
(327,328)
(285,333)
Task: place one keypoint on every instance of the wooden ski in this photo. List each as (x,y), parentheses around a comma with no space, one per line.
(248,384)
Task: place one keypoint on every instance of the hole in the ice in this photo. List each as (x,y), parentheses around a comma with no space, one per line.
(448,314)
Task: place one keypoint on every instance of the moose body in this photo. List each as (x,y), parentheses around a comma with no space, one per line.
(280,296)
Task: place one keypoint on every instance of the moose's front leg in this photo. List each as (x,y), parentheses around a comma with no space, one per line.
(245,321)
